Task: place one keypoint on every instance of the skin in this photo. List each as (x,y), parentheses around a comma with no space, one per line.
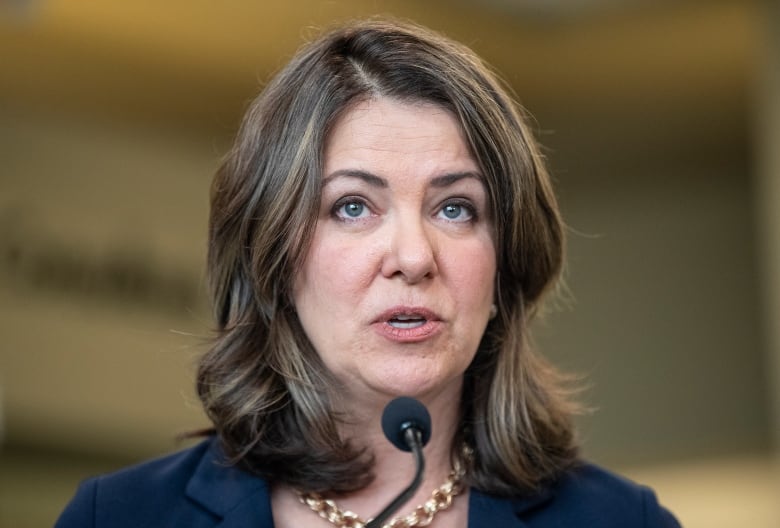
(396,288)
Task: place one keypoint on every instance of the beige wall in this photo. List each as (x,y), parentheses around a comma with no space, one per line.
(664,314)
(103,236)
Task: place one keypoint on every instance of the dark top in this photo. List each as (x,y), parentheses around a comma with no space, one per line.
(196,489)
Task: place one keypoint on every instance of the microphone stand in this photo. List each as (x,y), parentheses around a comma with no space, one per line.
(413,438)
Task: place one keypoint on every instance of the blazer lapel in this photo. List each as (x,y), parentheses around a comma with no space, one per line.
(237,497)
(491,511)
(251,513)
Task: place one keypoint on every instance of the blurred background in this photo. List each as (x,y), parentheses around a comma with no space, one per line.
(661,122)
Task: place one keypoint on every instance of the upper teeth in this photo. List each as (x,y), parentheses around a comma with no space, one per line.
(407,317)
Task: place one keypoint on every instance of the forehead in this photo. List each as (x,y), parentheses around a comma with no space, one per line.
(384,130)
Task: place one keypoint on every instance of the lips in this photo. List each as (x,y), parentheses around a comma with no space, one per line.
(407,324)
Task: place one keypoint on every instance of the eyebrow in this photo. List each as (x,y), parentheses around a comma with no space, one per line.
(444,180)
(367,177)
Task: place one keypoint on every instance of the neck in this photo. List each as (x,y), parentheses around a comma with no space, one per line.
(393,468)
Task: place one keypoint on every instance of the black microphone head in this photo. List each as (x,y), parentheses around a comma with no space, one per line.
(401,414)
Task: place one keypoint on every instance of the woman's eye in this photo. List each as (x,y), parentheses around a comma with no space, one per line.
(457,212)
(351,209)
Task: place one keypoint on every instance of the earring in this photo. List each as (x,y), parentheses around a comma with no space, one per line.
(493,311)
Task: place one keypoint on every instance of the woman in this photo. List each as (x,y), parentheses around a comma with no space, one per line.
(383,226)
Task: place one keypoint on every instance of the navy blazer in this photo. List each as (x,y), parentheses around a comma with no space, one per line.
(195,489)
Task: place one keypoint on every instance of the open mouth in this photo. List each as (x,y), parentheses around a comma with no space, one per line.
(408,324)
(407,321)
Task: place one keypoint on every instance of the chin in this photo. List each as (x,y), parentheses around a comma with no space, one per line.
(414,382)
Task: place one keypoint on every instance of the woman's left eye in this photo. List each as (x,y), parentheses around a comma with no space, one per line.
(457,212)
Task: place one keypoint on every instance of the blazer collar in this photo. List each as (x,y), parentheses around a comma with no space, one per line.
(239,498)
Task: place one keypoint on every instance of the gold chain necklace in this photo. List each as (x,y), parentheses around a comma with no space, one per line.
(422,515)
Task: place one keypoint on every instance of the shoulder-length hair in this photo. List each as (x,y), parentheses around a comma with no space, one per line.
(262,383)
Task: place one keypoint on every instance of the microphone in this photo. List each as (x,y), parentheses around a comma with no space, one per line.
(407,425)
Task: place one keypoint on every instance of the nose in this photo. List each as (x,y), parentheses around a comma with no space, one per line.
(411,253)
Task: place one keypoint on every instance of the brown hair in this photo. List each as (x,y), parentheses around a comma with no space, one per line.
(261,383)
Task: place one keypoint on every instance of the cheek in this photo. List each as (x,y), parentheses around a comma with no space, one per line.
(474,275)
(478,289)
(334,269)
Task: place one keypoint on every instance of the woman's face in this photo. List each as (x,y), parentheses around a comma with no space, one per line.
(396,288)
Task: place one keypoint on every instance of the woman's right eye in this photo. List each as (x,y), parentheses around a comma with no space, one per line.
(351,209)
